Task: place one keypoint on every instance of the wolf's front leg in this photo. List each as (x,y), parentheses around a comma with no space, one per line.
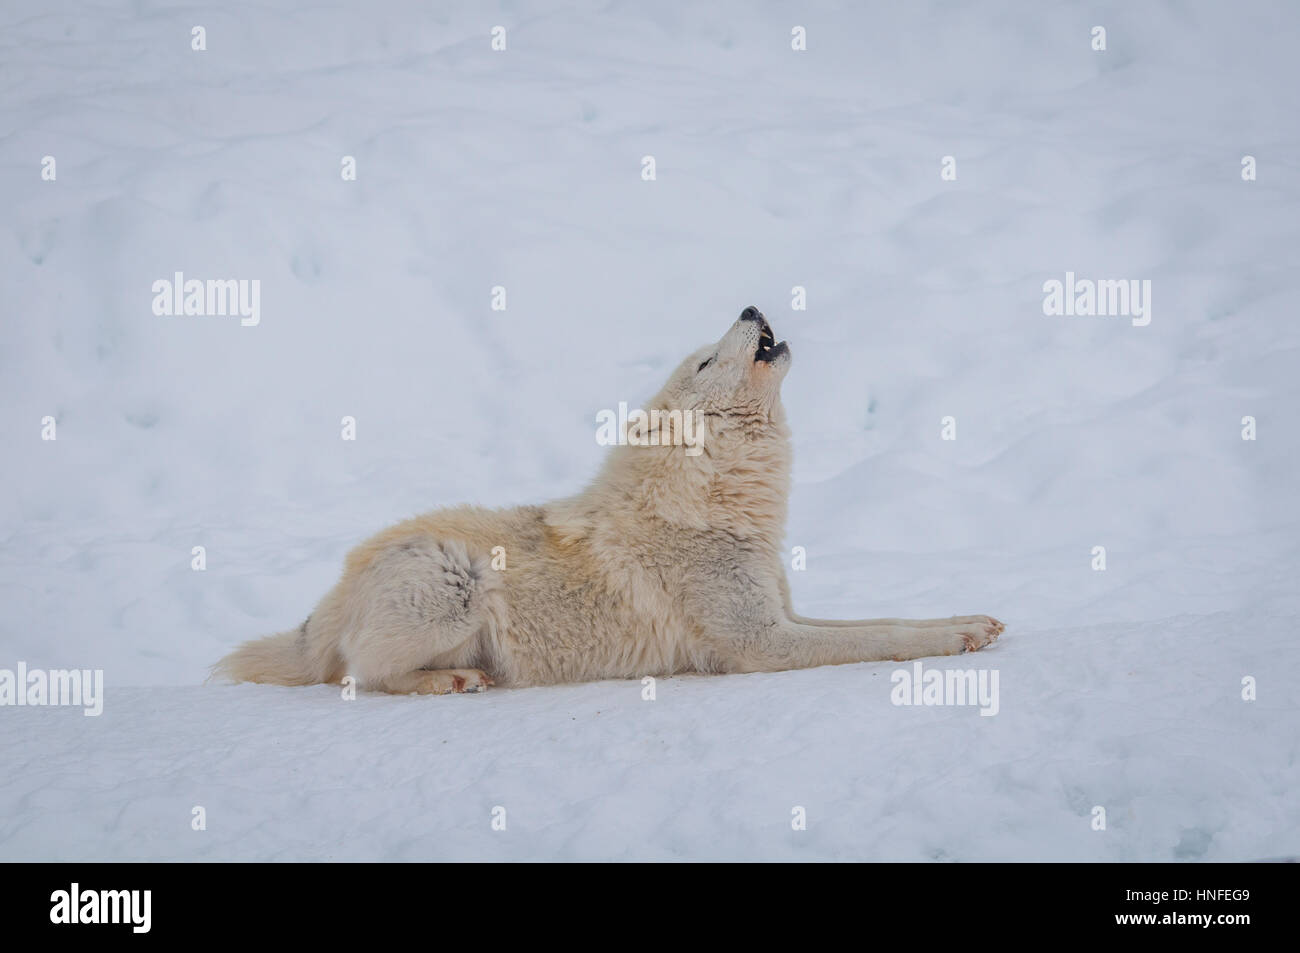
(904,623)
(749,632)
(788,645)
(861,623)
(900,623)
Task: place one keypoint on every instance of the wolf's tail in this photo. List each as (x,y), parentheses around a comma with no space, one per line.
(281,659)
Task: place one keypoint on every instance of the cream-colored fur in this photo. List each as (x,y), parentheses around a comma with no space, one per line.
(669,561)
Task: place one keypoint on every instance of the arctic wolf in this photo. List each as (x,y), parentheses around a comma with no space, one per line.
(668,562)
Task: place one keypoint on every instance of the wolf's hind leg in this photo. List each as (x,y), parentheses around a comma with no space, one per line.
(422,608)
(443,681)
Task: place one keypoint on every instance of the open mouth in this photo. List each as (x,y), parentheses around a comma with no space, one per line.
(768,348)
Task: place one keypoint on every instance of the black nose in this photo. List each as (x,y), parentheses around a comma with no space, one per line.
(751,314)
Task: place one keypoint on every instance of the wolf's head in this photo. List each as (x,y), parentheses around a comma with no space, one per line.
(737,377)
(711,450)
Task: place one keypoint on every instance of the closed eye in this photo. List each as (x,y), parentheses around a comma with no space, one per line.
(705,364)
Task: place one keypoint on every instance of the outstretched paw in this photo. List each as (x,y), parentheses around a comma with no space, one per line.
(981,632)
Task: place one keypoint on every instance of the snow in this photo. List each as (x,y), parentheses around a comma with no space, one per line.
(775,168)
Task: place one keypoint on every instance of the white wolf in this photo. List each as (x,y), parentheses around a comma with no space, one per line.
(668,562)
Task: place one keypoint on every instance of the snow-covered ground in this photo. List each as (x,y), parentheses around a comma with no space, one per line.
(775,168)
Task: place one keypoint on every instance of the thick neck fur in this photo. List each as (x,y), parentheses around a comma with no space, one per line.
(738,484)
